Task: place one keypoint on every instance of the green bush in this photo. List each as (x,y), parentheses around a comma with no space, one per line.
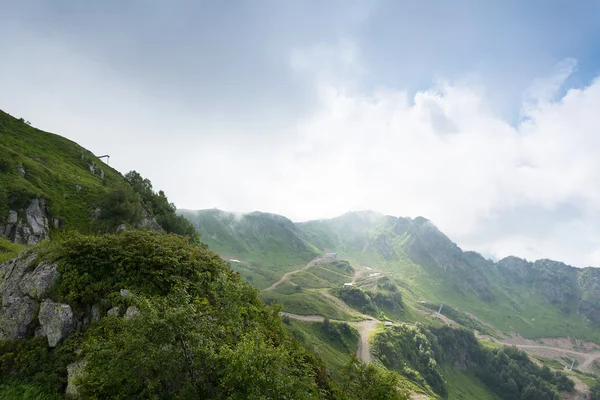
(147,262)
(122,206)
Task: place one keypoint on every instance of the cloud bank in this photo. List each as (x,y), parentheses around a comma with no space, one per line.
(314,109)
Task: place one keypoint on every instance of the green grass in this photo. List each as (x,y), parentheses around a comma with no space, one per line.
(54,168)
(465,385)
(8,249)
(13,390)
(304,302)
(334,349)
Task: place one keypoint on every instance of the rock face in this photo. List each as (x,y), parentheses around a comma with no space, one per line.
(37,284)
(150,222)
(32,227)
(56,321)
(25,309)
(18,311)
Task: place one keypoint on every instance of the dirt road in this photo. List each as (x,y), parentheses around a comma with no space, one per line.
(364,328)
(586,360)
(288,274)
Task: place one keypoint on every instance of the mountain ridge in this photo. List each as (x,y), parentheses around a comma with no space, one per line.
(415,251)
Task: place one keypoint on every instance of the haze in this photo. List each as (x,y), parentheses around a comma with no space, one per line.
(481,117)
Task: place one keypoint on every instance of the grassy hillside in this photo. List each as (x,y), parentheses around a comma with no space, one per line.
(38,164)
(49,184)
(544,298)
(266,245)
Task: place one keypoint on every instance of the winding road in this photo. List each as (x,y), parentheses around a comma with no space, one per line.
(364,329)
(288,274)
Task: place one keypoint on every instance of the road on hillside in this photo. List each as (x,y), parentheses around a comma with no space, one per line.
(364,328)
(288,274)
(586,359)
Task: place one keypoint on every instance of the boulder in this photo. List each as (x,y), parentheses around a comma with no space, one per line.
(17,315)
(21,170)
(17,311)
(12,217)
(125,293)
(113,312)
(74,371)
(37,283)
(56,320)
(96,313)
(131,312)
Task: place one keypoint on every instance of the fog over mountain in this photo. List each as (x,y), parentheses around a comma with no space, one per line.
(480,117)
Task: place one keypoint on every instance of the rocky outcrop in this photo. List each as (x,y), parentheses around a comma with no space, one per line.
(17,311)
(149,222)
(30,225)
(25,309)
(37,284)
(56,320)
(515,268)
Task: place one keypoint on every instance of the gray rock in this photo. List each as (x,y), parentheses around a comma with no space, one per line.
(121,228)
(11,273)
(113,312)
(77,187)
(17,315)
(37,284)
(74,372)
(97,213)
(56,223)
(125,293)
(149,222)
(101,174)
(131,312)
(35,228)
(21,170)
(96,313)
(56,320)
(12,217)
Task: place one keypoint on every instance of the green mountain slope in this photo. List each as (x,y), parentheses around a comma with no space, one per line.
(69,181)
(49,184)
(543,298)
(265,246)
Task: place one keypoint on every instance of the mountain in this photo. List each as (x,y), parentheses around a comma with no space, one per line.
(264,245)
(534,299)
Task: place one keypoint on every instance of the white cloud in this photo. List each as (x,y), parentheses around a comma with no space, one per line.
(443,152)
(445,155)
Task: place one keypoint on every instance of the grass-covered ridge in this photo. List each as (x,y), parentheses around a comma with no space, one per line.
(71,179)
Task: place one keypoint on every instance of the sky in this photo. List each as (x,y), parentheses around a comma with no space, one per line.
(482,116)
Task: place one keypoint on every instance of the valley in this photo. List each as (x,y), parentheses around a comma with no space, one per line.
(378,256)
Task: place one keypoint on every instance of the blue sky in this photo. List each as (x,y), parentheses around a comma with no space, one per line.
(478,115)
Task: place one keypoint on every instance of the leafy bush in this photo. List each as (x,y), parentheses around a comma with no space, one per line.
(370,381)
(158,205)
(405,348)
(122,206)
(30,364)
(146,262)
